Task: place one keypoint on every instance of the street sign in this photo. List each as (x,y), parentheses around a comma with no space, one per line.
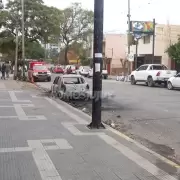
(130,57)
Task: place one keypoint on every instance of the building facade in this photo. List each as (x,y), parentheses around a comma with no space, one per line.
(165,35)
(114,50)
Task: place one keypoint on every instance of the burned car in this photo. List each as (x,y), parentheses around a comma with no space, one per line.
(70,87)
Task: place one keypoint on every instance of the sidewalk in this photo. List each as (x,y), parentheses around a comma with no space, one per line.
(46,139)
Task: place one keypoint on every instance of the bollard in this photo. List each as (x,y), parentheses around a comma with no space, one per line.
(117,78)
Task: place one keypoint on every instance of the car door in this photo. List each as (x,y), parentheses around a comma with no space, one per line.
(144,73)
(176,81)
(55,85)
(140,72)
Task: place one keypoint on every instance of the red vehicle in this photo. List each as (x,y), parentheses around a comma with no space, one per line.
(38,71)
(58,69)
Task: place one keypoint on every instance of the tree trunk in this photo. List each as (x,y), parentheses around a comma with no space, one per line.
(65,55)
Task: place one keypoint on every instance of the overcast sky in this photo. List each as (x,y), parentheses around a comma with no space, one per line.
(115,11)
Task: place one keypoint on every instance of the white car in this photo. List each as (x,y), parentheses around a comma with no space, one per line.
(70,86)
(84,70)
(73,68)
(174,82)
(152,74)
(104,73)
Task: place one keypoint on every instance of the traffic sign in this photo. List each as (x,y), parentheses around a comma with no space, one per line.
(130,57)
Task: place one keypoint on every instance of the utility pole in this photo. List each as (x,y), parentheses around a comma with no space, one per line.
(129,27)
(16,54)
(153,42)
(23,47)
(137,41)
(97,65)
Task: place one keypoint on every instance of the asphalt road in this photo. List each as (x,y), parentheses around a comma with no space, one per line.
(149,115)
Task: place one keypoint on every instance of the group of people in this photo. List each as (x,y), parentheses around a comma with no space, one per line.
(5,70)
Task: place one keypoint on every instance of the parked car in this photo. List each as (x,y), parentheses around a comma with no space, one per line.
(152,74)
(104,73)
(174,82)
(70,87)
(38,71)
(58,69)
(84,70)
(70,69)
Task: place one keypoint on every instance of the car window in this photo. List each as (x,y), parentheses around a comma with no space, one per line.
(158,67)
(43,68)
(59,81)
(56,80)
(142,68)
(82,80)
(178,75)
(72,80)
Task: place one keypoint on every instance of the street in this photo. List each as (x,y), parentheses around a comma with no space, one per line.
(45,138)
(149,115)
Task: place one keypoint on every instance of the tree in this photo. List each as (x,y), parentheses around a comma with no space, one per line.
(76,24)
(42,24)
(34,50)
(124,63)
(174,51)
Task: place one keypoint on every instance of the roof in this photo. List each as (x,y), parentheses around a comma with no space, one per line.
(152,64)
(71,75)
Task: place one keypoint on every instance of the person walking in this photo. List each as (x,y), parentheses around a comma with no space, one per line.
(8,68)
(3,70)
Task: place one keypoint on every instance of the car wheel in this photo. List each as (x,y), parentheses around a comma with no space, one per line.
(60,95)
(150,82)
(133,81)
(105,77)
(169,86)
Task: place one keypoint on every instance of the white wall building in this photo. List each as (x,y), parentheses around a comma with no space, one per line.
(165,35)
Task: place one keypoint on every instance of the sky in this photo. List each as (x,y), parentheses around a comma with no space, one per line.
(115,11)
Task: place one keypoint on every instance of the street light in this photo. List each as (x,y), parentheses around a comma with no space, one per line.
(97,65)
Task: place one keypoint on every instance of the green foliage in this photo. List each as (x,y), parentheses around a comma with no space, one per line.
(82,52)
(174,52)
(34,51)
(42,24)
(86,62)
(76,24)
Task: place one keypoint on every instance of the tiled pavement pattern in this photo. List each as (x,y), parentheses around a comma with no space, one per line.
(41,139)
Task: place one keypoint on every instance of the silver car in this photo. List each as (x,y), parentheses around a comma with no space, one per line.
(70,87)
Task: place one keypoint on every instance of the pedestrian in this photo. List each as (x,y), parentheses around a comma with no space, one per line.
(8,68)
(3,70)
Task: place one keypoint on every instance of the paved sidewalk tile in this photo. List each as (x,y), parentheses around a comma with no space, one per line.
(43,140)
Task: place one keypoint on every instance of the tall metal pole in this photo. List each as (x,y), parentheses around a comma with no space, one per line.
(136,54)
(153,42)
(129,26)
(23,47)
(16,55)
(97,65)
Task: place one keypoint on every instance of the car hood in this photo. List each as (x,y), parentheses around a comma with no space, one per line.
(75,87)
